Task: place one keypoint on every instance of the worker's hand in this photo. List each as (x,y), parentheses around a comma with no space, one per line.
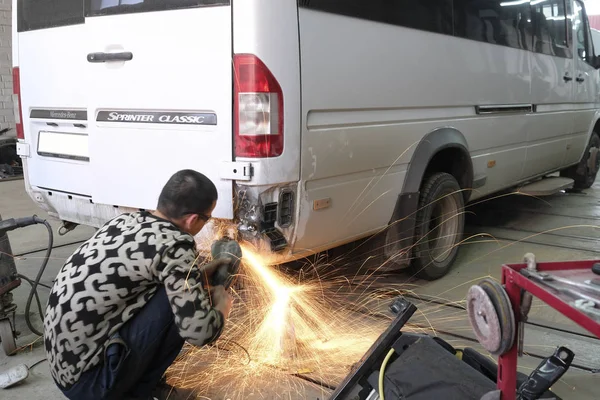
(209,269)
(222,300)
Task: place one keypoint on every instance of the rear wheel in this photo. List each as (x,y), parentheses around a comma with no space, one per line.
(584,173)
(439,226)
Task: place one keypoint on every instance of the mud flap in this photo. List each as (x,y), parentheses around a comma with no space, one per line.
(399,237)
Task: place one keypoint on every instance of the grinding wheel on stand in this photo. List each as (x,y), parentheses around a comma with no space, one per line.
(491,316)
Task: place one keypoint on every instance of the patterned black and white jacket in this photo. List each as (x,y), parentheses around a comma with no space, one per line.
(110,278)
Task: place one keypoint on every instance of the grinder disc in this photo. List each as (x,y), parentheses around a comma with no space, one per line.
(484,319)
(505,313)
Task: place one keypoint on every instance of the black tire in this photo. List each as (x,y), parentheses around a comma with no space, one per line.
(439,226)
(584,173)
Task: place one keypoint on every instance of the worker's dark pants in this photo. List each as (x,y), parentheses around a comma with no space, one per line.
(137,357)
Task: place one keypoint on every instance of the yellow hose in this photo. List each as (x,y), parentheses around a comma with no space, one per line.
(382,372)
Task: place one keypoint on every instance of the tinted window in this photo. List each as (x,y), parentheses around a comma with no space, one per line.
(427,15)
(596,40)
(112,7)
(583,35)
(551,27)
(507,23)
(40,14)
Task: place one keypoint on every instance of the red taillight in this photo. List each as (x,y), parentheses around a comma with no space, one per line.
(17,103)
(257,109)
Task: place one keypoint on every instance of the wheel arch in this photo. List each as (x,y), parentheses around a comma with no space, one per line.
(431,155)
(579,172)
(595,127)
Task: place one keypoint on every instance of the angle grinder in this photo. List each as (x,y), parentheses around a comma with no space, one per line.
(229,249)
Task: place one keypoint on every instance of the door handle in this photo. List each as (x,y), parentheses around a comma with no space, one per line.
(107,57)
(567,78)
(580,79)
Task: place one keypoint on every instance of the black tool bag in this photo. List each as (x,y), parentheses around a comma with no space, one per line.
(426,368)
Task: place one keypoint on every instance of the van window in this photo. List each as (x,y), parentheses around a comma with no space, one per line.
(432,15)
(112,7)
(584,36)
(42,14)
(552,27)
(507,23)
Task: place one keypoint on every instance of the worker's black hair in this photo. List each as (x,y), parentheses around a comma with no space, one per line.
(187,192)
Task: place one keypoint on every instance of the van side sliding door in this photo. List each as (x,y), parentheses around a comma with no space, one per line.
(585,83)
(553,78)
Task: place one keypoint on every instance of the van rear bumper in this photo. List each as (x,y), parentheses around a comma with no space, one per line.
(264,215)
(74,210)
(70,207)
(267,215)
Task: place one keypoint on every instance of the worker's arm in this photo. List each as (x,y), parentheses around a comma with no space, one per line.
(199,321)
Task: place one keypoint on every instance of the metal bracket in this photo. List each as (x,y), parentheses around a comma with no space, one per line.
(23,149)
(236,171)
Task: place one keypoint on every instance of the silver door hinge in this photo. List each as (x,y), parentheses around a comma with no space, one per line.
(236,171)
(23,149)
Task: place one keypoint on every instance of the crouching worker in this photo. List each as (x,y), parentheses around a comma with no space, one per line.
(125,302)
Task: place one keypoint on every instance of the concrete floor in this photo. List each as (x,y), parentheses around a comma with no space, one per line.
(502,231)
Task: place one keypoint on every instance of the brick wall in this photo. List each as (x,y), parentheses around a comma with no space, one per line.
(595,21)
(7,117)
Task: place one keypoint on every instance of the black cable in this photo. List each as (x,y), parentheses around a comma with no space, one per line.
(31,281)
(58,246)
(36,363)
(315,381)
(39,277)
(37,297)
(240,346)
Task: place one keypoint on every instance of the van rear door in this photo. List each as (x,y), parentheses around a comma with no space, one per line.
(50,39)
(154,77)
(160,96)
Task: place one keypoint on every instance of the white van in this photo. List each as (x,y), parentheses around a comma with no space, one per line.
(320,121)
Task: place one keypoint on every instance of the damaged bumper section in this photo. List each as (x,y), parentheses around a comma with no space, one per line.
(266,215)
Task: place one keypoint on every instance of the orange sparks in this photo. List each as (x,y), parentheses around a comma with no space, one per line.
(282,324)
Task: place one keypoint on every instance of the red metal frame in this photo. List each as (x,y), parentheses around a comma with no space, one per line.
(514,281)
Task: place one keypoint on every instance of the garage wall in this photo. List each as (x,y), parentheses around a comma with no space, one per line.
(7,117)
(595,21)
